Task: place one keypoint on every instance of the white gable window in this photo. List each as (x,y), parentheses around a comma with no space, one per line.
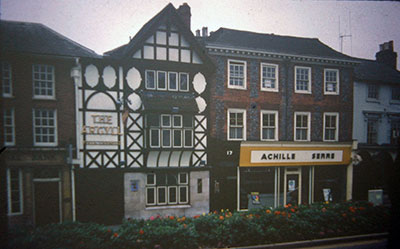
(6,79)
(172,81)
(236,124)
(331,81)
(331,126)
(161,80)
(150,79)
(44,127)
(302,126)
(183,82)
(236,74)
(43,81)
(269,77)
(302,79)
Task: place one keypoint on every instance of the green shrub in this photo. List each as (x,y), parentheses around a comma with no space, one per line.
(217,229)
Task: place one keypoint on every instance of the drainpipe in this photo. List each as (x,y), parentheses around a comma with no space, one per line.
(76,74)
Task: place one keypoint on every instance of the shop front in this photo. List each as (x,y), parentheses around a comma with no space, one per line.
(276,174)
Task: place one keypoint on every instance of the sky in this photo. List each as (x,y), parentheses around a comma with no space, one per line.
(103,25)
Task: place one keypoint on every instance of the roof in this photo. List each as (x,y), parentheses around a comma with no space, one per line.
(373,71)
(36,38)
(169,13)
(272,43)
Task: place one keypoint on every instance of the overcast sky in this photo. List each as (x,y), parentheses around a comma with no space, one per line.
(102,25)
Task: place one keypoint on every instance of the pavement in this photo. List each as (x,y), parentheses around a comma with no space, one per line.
(366,241)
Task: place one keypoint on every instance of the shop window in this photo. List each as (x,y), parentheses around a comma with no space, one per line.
(167,189)
(9,127)
(257,188)
(236,74)
(236,124)
(302,123)
(269,125)
(44,127)
(168,131)
(14,191)
(303,80)
(331,124)
(43,81)
(269,77)
(6,79)
(331,80)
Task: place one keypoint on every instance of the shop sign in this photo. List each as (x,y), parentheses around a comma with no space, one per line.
(296,156)
(255,198)
(101,129)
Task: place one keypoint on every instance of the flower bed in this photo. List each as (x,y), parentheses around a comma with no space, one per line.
(217,229)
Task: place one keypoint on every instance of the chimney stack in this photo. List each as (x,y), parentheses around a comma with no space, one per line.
(386,55)
(184,12)
(204,32)
(197,32)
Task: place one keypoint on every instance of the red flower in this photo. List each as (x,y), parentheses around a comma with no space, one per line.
(171,217)
(289,215)
(292,210)
(221,217)
(115,235)
(141,232)
(196,216)
(277,212)
(268,211)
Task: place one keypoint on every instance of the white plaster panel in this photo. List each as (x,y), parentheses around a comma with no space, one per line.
(161,37)
(173,39)
(199,83)
(109,76)
(134,101)
(133,78)
(161,53)
(92,75)
(138,54)
(173,54)
(148,52)
(101,101)
(201,104)
(185,55)
(150,40)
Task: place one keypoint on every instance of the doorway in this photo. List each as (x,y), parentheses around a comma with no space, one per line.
(292,186)
(47,201)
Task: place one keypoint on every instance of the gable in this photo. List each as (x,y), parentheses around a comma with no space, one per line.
(167,43)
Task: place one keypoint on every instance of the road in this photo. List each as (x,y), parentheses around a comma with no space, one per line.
(369,244)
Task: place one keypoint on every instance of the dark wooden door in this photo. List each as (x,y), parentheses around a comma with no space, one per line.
(47,203)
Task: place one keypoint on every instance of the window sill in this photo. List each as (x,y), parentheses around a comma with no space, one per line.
(237,88)
(269,90)
(43,98)
(167,207)
(331,93)
(302,92)
(373,101)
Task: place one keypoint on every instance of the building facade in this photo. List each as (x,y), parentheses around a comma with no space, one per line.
(38,122)
(376,119)
(281,120)
(142,115)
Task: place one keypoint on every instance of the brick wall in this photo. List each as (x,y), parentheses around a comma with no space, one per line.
(286,101)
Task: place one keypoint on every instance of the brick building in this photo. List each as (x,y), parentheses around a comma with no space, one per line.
(143,125)
(281,120)
(38,122)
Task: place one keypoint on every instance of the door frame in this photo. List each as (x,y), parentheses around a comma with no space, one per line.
(291,171)
(58,180)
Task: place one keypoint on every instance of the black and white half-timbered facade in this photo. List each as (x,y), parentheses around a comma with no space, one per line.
(142,116)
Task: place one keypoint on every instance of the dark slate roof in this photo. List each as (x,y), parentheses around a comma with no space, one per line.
(36,38)
(373,71)
(287,45)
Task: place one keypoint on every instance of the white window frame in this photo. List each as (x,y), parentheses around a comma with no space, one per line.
(187,194)
(151,186)
(9,194)
(159,138)
(165,193)
(154,78)
(244,87)
(309,80)
(35,143)
(177,186)
(170,138)
(53,87)
(166,80)
(174,139)
(268,89)
(169,196)
(176,81)
(9,126)
(262,127)
(233,110)
(326,82)
(6,79)
(377,88)
(191,138)
(336,114)
(187,82)
(308,126)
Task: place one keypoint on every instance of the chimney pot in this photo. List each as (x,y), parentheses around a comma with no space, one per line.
(198,32)
(204,31)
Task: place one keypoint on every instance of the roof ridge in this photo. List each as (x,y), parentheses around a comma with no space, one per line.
(267,34)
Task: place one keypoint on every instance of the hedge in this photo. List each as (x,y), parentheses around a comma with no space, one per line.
(217,229)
